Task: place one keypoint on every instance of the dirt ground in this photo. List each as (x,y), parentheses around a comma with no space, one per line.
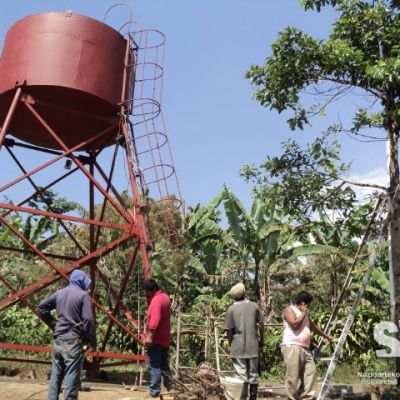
(15,389)
(21,389)
(31,389)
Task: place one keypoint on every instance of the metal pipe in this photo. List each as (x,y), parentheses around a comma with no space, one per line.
(9,115)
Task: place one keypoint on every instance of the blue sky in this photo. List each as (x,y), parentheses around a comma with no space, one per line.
(214,125)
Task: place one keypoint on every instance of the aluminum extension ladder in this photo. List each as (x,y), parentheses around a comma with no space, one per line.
(344,294)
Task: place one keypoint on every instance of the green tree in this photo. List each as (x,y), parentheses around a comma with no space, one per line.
(18,265)
(305,181)
(255,244)
(213,265)
(361,54)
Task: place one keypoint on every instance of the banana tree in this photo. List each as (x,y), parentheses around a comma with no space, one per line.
(211,245)
(263,237)
(254,243)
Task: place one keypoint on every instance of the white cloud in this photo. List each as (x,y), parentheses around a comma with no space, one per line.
(377,176)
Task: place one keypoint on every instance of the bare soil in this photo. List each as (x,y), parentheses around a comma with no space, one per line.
(15,388)
(32,384)
(19,389)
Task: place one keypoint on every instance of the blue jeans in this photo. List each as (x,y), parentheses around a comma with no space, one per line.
(67,366)
(158,365)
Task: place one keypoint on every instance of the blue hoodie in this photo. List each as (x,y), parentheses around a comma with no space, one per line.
(79,279)
(74,309)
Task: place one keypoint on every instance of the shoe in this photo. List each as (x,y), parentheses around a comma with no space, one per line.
(253,391)
(155,395)
(84,388)
(168,381)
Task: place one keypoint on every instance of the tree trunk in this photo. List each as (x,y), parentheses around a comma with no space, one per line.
(265,296)
(269,312)
(263,291)
(334,284)
(257,294)
(394,231)
(394,253)
(244,271)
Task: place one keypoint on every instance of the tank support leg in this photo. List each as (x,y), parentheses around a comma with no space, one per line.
(9,116)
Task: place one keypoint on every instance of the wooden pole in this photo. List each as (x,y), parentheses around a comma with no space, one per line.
(207,338)
(216,347)
(178,339)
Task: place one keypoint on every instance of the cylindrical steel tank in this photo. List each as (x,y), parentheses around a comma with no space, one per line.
(73,66)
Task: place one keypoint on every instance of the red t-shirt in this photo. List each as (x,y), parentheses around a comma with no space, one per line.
(159,318)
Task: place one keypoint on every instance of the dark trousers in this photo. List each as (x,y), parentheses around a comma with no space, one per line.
(159,367)
(67,366)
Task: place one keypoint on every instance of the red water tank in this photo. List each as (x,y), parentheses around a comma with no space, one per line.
(73,66)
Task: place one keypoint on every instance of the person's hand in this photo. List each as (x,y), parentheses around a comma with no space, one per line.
(148,341)
(303,308)
(87,350)
(261,345)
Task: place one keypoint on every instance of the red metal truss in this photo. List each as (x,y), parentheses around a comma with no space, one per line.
(132,231)
(139,151)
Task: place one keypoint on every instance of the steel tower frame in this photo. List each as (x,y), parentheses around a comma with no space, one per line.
(132,231)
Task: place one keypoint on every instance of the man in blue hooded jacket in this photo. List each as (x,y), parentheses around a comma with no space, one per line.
(74,327)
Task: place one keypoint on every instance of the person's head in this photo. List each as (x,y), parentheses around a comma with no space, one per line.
(303,300)
(238,292)
(150,286)
(79,279)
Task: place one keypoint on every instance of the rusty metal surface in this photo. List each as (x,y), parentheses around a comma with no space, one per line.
(76,97)
(98,354)
(131,231)
(73,67)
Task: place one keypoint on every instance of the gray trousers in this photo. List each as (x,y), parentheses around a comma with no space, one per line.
(246,369)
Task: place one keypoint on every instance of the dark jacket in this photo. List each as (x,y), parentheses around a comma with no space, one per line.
(74,309)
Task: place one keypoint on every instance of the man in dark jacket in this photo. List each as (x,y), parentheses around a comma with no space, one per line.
(157,336)
(74,327)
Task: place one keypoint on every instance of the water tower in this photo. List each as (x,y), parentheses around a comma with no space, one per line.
(80,115)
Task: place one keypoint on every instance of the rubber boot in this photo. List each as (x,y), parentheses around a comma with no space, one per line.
(253,391)
(245,390)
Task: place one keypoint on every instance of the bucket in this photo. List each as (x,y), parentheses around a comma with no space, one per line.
(232,387)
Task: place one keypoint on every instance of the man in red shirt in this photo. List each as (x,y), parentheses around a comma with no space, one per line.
(158,336)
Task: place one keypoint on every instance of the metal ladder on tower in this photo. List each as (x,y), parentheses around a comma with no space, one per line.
(344,295)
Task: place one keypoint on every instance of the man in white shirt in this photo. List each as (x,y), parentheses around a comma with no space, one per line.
(300,366)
